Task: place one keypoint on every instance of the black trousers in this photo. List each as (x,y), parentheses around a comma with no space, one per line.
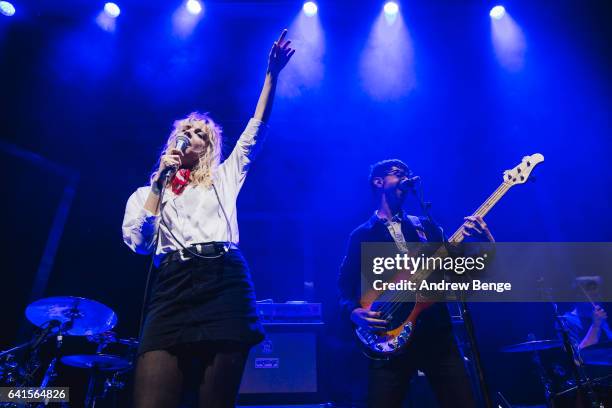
(435,355)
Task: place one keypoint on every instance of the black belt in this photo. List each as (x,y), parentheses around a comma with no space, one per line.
(205,249)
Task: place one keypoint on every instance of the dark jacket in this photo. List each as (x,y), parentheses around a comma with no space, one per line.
(349,278)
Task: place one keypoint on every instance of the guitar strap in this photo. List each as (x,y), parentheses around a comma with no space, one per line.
(418,226)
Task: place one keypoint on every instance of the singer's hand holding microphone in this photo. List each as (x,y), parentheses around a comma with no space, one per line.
(171,161)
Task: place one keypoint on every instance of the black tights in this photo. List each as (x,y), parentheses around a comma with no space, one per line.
(162,375)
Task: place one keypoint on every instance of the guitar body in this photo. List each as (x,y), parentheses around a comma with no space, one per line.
(402,317)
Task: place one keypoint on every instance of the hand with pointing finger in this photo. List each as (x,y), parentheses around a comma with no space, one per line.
(280,54)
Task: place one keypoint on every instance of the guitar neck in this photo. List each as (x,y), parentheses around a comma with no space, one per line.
(483,209)
(517,175)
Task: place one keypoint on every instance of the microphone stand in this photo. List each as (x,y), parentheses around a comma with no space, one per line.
(464,309)
(573,355)
(145,299)
(583,381)
(182,143)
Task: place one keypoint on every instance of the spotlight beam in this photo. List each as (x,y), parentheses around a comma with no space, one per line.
(310,8)
(112,10)
(7,8)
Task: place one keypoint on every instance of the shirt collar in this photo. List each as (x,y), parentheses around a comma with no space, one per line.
(396,218)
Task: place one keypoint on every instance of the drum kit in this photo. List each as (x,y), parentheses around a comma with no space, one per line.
(62,318)
(594,392)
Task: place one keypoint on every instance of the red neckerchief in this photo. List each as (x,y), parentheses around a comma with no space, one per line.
(180,180)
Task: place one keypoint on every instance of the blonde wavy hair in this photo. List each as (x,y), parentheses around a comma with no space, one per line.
(210,158)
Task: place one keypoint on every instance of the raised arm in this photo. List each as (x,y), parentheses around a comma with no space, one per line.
(280,54)
(593,334)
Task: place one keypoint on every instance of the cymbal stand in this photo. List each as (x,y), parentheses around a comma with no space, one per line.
(583,382)
(544,378)
(51,372)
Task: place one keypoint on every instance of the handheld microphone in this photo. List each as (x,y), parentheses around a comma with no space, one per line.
(408,184)
(182,143)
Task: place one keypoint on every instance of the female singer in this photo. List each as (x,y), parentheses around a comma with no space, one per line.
(202,304)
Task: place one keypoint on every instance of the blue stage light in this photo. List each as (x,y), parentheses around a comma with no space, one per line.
(391,8)
(112,10)
(7,8)
(310,8)
(194,7)
(497,12)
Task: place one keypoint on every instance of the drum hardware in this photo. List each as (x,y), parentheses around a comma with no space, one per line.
(532,345)
(21,375)
(98,365)
(57,317)
(583,382)
(77,316)
(66,315)
(597,354)
(9,370)
(535,346)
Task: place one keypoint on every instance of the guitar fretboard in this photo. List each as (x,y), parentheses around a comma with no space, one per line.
(483,209)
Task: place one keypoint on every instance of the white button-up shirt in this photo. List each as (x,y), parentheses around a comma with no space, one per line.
(194,216)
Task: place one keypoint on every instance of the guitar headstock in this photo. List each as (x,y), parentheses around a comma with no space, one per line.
(520,174)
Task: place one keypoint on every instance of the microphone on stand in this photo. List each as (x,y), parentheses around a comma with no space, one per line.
(409,183)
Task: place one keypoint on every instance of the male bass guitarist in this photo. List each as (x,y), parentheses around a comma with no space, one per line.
(432,347)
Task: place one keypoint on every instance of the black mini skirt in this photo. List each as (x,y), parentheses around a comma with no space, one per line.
(201,300)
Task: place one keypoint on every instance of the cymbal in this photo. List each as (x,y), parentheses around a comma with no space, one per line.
(597,354)
(104,362)
(534,345)
(78,316)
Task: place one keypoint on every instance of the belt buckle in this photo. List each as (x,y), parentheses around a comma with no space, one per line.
(183,255)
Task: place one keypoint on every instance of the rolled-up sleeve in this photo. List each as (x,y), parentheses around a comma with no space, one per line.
(139,225)
(247,147)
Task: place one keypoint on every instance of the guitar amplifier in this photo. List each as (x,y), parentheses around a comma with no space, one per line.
(286,361)
(290,312)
